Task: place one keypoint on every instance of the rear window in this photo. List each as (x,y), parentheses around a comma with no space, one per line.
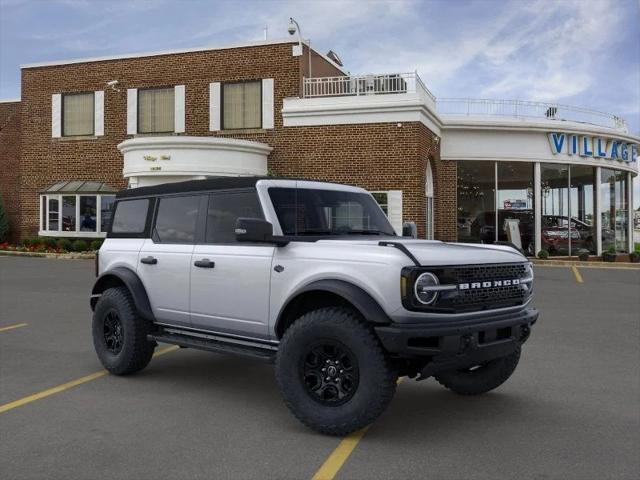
(177,219)
(130,216)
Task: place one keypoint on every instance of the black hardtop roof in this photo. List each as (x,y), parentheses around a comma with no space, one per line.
(210,184)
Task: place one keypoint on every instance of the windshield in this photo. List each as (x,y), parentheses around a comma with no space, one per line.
(304,211)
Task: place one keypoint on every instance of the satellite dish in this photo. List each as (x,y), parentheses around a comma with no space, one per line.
(334,57)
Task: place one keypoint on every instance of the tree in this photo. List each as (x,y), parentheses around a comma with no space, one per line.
(4,222)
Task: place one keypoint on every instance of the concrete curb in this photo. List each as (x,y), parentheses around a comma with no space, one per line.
(576,263)
(59,256)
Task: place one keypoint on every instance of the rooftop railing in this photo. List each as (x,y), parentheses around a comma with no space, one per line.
(398,83)
(473,107)
(357,85)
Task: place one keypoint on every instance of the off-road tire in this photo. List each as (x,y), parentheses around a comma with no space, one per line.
(483,379)
(136,351)
(377,378)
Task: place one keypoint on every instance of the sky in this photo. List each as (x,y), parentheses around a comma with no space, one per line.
(576,52)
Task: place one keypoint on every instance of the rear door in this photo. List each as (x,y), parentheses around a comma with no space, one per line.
(164,261)
(230,281)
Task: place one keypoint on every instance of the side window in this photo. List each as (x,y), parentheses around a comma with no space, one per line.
(130,216)
(225,209)
(176,219)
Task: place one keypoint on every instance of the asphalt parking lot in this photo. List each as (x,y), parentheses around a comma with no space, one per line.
(571,410)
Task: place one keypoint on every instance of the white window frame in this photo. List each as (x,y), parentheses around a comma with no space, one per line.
(44,226)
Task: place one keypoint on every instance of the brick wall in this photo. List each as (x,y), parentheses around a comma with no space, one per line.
(374,156)
(10,163)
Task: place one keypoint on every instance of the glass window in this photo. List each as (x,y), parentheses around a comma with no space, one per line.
(88,214)
(130,216)
(156,110)
(614,210)
(106,202)
(43,212)
(307,211)
(225,209)
(382,199)
(554,189)
(476,201)
(176,219)
(515,203)
(77,114)
(69,213)
(54,213)
(242,105)
(582,206)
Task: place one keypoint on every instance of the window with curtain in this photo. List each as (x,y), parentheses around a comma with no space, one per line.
(77,114)
(156,109)
(241,105)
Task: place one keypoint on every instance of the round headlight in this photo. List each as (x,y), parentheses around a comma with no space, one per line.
(423,293)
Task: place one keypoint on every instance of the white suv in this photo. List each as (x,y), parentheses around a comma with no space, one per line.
(311,276)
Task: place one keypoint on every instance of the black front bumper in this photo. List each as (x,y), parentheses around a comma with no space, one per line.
(452,345)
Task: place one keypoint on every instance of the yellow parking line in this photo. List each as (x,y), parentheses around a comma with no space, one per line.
(66,386)
(576,273)
(11,327)
(334,462)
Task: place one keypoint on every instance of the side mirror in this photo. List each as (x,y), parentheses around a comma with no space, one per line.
(410,229)
(256,230)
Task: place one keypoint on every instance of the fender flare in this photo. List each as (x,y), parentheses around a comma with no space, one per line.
(359,298)
(133,283)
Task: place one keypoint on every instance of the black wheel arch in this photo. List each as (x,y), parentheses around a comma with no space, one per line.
(123,276)
(329,292)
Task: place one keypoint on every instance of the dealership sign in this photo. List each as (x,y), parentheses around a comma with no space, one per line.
(589,146)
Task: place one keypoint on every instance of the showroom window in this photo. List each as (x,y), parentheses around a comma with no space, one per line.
(476,201)
(76,209)
(614,210)
(156,110)
(78,114)
(516,204)
(242,105)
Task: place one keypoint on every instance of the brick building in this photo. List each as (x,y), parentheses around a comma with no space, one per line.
(85,128)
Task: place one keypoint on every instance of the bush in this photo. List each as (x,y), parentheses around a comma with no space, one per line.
(64,244)
(27,242)
(95,244)
(4,223)
(79,246)
(543,254)
(635,256)
(49,242)
(583,255)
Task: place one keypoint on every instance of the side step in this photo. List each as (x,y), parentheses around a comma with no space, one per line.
(188,341)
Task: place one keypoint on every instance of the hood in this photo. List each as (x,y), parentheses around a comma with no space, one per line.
(434,253)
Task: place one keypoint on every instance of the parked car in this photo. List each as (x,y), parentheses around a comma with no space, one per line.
(312,277)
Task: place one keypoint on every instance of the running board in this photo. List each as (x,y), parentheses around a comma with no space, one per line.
(187,341)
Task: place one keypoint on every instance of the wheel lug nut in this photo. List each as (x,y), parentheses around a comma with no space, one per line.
(341,371)
(324,369)
(328,379)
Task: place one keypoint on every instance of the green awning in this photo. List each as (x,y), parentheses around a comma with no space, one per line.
(79,186)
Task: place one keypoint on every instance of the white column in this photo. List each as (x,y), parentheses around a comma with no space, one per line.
(598,211)
(394,209)
(268,112)
(537,207)
(630,211)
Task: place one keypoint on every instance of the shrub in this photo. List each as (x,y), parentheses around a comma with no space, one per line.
(611,249)
(4,223)
(27,242)
(583,255)
(95,244)
(543,254)
(635,256)
(64,244)
(49,242)
(79,246)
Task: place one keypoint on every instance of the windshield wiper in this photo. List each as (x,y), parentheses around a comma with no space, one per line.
(366,232)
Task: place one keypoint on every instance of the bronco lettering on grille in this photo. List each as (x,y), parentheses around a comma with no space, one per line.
(488,284)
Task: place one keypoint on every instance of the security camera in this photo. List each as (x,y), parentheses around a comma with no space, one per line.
(112,83)
(292,27)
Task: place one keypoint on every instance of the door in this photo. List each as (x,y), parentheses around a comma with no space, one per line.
(165,259)
(230,281)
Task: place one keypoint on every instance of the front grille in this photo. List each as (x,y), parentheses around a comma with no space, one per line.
(485,298)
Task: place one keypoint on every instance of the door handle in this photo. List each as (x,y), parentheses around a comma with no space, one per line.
(204,263)
(149,260)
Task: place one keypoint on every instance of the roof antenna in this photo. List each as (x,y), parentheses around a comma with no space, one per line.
(266,32)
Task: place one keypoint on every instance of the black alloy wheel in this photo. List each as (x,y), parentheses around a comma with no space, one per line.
(330,372)
(113,332)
